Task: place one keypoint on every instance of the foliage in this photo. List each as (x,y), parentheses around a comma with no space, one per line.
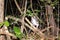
(55,2)
(6,23)
(29,13)
(17,32)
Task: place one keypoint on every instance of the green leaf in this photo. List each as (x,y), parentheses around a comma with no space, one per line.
(1,24)
(6,23)
(17,32)
(28,11)
(30,14)
(19,35)
(55,3)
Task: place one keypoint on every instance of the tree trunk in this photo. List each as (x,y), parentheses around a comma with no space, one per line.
(2,16)
(50,20)
(1,10)
(50,15)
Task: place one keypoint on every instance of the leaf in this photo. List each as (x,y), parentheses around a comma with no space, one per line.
(19,35)
(30,14)
(6,23)
(55,3)
(1,24)
(17,32)
(28,11)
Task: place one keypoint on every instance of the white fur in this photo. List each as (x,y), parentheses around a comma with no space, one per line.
(34,21)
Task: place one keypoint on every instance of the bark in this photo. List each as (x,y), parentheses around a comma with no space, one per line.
(1,10)
(2,37)
(2,30)
(50,20)
(22,12)
(50,17)
(2,16)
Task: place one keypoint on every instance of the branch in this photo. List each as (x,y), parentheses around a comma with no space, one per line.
(25,6)
(18,6)
(41,34)
(37,31)
(24,13)
(46,28)
(13,18)
(34,12)
(5,31)
(32,27)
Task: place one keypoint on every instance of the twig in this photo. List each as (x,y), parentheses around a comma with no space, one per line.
(34,12)
(46,28)
(25,6)
(31,27)
(24,13)
(18,6)
(17,19)
(5,31)
(38,31)
(12,17)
